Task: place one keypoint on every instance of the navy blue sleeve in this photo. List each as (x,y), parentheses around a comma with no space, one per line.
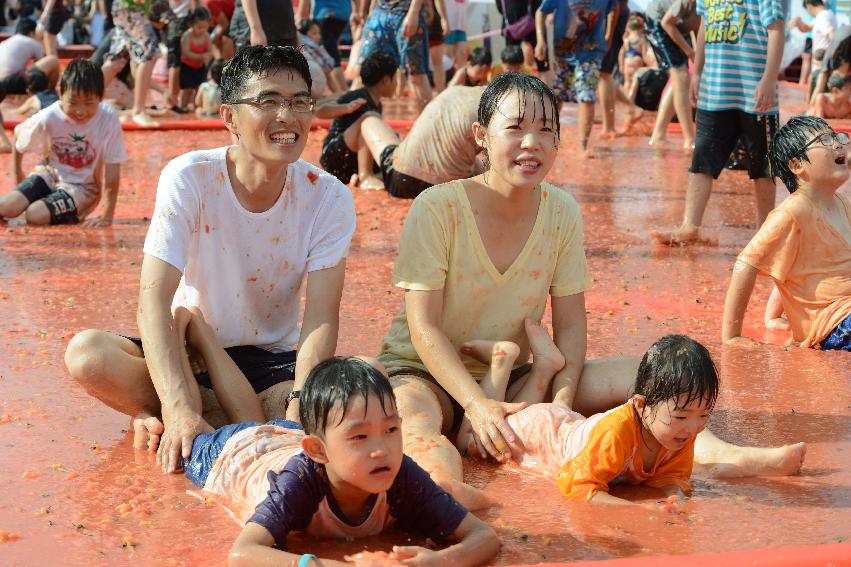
(293,498)
(419,505)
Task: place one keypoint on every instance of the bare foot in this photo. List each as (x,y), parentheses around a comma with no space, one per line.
(633,115)
(752,461)
(588,153)
(608,135)
(545,353)
(144,119)
(146,432)
(657,141)
(469,496)
(371,183)
(681,237)
(354,181)
(479,349)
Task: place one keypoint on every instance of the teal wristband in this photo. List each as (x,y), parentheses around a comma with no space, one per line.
(305,559)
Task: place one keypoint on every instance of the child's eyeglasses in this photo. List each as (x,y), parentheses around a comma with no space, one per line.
(272,103)
(828,140)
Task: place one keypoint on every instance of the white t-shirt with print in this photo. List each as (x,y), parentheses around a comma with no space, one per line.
(74,152)
(244,270)
(823,26)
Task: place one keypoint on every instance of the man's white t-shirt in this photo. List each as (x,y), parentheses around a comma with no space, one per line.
(16,52)
(823,26)
(244,270)
(74,152)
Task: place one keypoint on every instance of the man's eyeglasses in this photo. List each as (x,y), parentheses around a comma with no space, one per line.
(828,140)
(273,103)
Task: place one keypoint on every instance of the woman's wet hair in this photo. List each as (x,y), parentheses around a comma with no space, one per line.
(523,86)
(82,76)
(255,61)
(675,366)
(332,384)
(789,143)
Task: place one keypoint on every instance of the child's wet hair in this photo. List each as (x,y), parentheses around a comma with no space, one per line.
(332,384)
(675,366)
(37,82)
(837,80)
(789,143)
(82,76)
(216,68)
(813,3)
(376,66)
(524,85)
(480,56)
(255,61)
(305,24)
(512,55)
(199,14)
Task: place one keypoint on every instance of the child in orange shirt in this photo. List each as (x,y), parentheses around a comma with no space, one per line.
(805,243)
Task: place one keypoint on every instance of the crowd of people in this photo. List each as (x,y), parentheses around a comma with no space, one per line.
(343,446)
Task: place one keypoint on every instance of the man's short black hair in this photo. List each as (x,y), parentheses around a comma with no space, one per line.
(480,56)
(377,66)
(254,61)
(82,76)
(789,143)
(332,384)
(512,55)
(25,26)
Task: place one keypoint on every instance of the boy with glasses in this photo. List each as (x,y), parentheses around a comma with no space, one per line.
(805,243)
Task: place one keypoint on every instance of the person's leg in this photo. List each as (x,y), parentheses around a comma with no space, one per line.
(37,213)
(29,191)
(437,70)
(13,204)
(172,42)
(680,85)
(49,65)
(426,411)
(413,56)
(111,68)
(234,393)
(332,29)
(757,133)
(586,77)
(5,143)
(663,117)
(765,195)
(376,135)
(607,101)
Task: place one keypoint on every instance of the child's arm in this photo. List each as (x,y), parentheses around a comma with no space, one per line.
(818,107)
(255,548)
(111,179)
(766,89)
(412,19)
(330,110)
(458,77)
(29,106)
(738,295)
(802,26)
(17,160)
(669,24)
(199,98)
(541,32)
(477,543)
(441,12)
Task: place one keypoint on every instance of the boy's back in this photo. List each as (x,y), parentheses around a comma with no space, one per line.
(809,257)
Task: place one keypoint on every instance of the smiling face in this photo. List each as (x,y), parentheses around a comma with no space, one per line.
(363,452)
(79,106)
(825,166)
(271,137)
(673,422)
(521,144)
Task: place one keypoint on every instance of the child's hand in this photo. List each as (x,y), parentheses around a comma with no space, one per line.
(96,222)
(743,342)
(410,25)
(541,51)
(373,559)
(415,555)
(355,104)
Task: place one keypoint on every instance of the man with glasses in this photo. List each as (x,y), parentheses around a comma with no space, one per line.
(235,231)
(805,243)
(734,85)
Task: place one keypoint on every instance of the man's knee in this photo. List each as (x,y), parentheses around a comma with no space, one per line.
(87,354)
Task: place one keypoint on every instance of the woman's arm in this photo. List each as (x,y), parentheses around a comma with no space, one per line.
(487,416)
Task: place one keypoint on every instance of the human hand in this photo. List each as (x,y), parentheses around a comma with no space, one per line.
(100,221)
(541,50)
(410,25)
(763,99)
(694,89)
(444,25)
(491,429)
(258,37)
(181,429)
(690,54)
(373,559)
(416,555)
(355,104)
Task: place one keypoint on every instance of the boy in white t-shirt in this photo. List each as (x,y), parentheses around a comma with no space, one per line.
(78,136)
(822,26)
(235,232)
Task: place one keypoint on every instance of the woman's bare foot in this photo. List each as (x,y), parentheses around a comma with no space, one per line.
(759,461)
(545,353)
(147,430)
(484,351)
(469,496)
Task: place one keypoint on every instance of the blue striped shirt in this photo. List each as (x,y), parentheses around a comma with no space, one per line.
(736,49)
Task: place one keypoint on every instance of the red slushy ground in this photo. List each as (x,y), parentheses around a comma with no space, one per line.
(74,493)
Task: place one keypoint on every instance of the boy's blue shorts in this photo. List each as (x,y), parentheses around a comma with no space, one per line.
(839,338)
(207,447)
(383,32)
(455,36)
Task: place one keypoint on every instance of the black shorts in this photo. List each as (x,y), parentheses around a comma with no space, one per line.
(277,20)
(191,77)
(396,183)
(808,45)
(610,61)
(17,84)
(262,368)
(173,32)
(717,134)
(337,159)
(55,21)
(668,54)
(62,208)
